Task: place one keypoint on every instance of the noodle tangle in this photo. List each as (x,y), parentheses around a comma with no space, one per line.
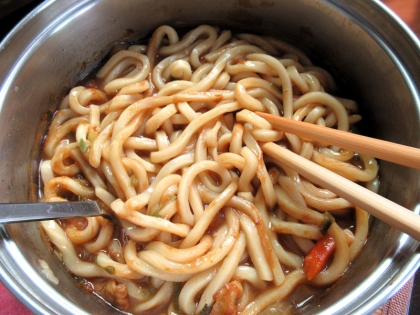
(167,137)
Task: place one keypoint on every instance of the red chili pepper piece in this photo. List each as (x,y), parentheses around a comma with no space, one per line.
(317,258)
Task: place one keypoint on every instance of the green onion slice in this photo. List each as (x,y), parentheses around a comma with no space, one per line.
(110,269)
(325,225)
(175,295)
(83,146)
(206,310)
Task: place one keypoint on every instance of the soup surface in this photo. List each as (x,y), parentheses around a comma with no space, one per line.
(166,136)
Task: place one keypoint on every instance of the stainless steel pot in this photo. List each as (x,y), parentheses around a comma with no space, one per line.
(373,55)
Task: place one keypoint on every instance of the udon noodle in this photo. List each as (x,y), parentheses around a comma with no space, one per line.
(167,137)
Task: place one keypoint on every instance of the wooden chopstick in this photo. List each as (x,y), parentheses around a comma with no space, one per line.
(384,150)
(391,213)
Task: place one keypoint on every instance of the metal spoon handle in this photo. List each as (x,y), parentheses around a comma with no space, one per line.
(23,212)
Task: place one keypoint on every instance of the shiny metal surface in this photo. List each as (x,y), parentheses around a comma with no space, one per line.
(39,211)
(372,55)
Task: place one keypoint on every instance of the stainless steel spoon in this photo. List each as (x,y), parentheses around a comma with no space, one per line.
(23,212)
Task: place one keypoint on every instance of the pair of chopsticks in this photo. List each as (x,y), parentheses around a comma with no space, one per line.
(391,213)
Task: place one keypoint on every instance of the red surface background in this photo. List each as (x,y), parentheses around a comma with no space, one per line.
(408,10)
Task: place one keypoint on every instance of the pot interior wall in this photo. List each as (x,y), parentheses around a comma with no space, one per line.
(52,59)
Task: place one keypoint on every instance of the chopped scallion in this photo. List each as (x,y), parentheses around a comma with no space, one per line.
(134,181)
(83,146)
(49,115)
(148,292)
(175,295)
(110,269)
(325,225)
(95,260)
(155,211)
(206,310)
(92,136)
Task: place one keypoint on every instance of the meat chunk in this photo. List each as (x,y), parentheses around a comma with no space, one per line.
(225,299)
(114,293)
